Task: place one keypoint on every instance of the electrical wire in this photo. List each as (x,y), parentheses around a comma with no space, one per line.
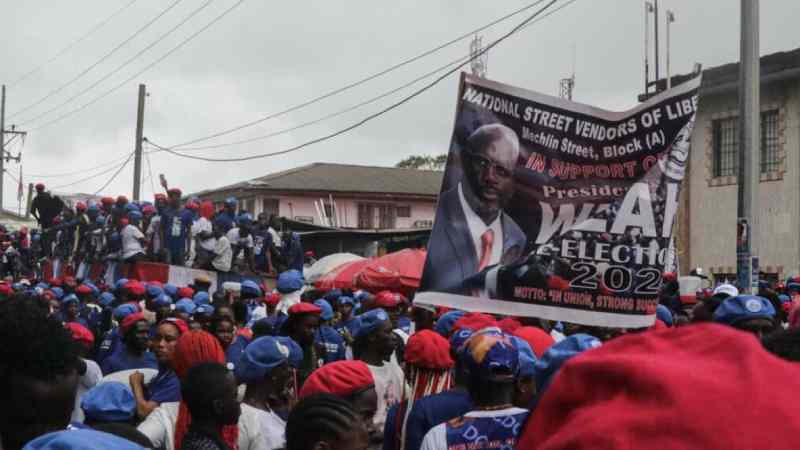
(116,174)
(362,80)
(351,108)
(150,171)
(373,115)
(148,67)
(98,62)
(91,177)
(123,65)
(77,172)
(69,46)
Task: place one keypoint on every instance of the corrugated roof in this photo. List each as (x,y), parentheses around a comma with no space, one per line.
(346,178)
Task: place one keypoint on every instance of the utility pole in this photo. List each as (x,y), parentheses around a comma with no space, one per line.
(749,148)
(670,19)
(648,8)
(137,159)
(4,156)
(655,7)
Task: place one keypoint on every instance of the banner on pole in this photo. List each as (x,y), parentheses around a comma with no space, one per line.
(556,209)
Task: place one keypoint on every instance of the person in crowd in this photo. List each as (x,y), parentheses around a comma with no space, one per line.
(264,369)
(374,344)
(749,313)
(83,439)
(784,344)
(704,310)
(538,339)
(45,208)
(175,227)
(133,240)
(163,307)
(302,326)
(492,364)
(209,392)
(293,252)
(204,315)
(225,330)
(111,408)
(666,377)
(167,424)
(325,421)
(262,245)
(222,259)
(428,372)
(525,388)
(290,285)
(242,240)
(112,338)
(184,309)
(40,369)
(134,353)
(227,216)
(347,325)
(424,317)
(70,308)
(334,347)
(202,233)
(164,387)
(557,355)
(91,374)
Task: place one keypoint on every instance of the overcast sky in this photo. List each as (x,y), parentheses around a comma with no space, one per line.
(266,56)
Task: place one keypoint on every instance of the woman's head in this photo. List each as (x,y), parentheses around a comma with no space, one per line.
(209,391)
(195,347)
(164,341)
(325,421)
(224,330)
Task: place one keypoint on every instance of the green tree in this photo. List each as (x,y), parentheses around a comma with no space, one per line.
(424,162)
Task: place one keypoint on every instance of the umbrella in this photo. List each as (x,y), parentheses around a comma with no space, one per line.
(328,263)
(399,272)
(341,277)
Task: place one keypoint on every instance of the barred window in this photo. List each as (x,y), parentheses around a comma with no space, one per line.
(769,142)
(725,141)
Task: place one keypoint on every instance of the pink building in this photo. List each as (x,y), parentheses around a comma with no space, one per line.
(341,196)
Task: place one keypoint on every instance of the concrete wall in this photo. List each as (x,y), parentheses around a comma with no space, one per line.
(712,201)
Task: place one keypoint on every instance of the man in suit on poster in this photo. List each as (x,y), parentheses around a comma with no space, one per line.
(471,231)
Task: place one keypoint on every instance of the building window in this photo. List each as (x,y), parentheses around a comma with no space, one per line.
(725,142)
(404,211)
(372,216)
(270,206)
(769,142)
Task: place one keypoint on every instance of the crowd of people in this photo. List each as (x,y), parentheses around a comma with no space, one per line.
(136,364)
(170,230)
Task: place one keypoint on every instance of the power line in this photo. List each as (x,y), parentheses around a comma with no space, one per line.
(69,46)
(351,108)
(116,174)
(148,67)
(122,66)
(363,80)
(374,115)
(77,172)
(98,62)
(150,172)
(91,177)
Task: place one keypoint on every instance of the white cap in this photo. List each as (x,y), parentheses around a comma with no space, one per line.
(727,289)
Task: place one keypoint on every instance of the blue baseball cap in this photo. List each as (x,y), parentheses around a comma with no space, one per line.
(163,300)
(120,284)
(58,292)
(93,287)
(230,201)
(135,215)
(125,310)
(333,295)
(327,310)
(109,402)
(459,338)
(260,357)
(153,290)
(744,307)
(444,325)
(491,355)
(370,321)
(664,314)
(185,305)
(290,281)
(106,299)
(249,287)
(784,298)
(295,351)
(81,439)
(201,298)
(244,219)
(71,298)
(344,300)
(204,310)
(527,359)
(171,289)
(558,354)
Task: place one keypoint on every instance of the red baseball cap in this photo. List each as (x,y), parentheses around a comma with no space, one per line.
(657,389)
(134,287)
(341,378)
(185,292)
(474,322)
(180,324)
(509,325)
(385,300)
(5,289)
(538,339)
(272,299)
(83,290)
(80,333)
(305,308)
(129,321)
(428,349)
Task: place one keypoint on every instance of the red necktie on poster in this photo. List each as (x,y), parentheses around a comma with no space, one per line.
(487,240)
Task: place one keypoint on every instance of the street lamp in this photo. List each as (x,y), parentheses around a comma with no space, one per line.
(670,19)
(648,8)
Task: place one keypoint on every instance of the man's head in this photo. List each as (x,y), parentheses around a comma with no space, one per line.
(265,366)
(230,205)
(39,372)
(303,323)
(489,159)
(135,333)
(39,188)
(209,391)
(748,313)
(174,197)
(374,336)
(491,360)
(223,329)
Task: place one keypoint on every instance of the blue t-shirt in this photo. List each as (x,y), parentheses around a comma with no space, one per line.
(352,324)
(430,411)
(225,220)
(109,345)
(175,226)
(404,323)
(493,431)
(122,360)
(164,387)
(235,350)
(333,343)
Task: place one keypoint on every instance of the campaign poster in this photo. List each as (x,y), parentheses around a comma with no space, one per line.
(555,209)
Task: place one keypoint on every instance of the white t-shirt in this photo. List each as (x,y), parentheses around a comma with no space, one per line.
(130,241)
(235,237)
(389,384)
(224,258)
(436,438)
(159,427)
(276,238)
(203,225)
(274,429)
(89,380)
(154,233)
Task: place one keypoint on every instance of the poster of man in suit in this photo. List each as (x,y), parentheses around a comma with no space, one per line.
(556,209)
